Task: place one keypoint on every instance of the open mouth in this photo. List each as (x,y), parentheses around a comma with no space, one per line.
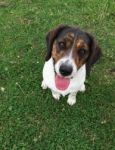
(61,82)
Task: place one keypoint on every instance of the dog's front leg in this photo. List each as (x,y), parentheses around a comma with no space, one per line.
(72,98)
(43,85)
(82,88)
(56,95)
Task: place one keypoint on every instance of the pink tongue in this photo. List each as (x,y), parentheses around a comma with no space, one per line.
(61,82)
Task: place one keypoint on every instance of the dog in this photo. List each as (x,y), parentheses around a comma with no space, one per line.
(71,53)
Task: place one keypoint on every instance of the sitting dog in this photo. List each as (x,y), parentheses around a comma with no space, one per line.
(71,53)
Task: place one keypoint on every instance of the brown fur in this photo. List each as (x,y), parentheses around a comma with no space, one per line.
(69,39)
(74,39)
(79,62)
(57,55)
(81,44)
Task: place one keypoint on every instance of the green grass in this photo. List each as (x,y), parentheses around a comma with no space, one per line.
(30,119)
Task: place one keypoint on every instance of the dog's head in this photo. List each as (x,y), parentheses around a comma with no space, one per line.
(70,49)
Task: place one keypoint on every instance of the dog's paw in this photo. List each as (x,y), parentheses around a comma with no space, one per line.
(71,100)
(56,95)
(43,85)
(82,89)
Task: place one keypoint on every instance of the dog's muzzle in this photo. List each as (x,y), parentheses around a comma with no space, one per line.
(65,69)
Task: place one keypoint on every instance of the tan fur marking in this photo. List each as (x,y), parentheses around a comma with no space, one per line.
(57,55)
(70,36)
(81,43)
(78,62)
(69,39)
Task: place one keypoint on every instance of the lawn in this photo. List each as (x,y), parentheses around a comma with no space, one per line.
(30,119)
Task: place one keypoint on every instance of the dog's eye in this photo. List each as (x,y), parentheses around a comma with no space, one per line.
(81,52)
(62,45)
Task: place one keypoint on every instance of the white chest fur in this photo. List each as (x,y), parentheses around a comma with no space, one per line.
(76,83)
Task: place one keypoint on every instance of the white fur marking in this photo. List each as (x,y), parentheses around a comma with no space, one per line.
(76,83)
(43,85)
(82,89)
(70,61)
(56,95)
(71,99)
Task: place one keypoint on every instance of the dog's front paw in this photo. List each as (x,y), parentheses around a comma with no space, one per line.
(82,89)
(71,102)
(43,85)
(56,95)
(71,99)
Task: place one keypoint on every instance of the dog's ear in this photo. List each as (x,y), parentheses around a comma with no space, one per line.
(50,37)
(95,53)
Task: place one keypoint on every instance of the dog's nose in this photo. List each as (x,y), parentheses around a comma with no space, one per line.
(65,70)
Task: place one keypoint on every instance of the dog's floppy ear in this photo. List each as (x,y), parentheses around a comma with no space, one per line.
(50,37)
(95,53)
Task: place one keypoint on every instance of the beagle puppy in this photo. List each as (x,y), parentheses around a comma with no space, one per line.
(71,53)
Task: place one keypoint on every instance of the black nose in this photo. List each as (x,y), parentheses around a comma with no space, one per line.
(65,70)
